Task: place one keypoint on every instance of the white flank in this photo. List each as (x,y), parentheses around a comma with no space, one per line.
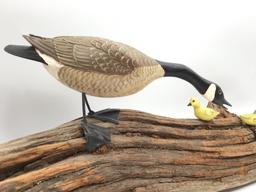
(53,66)
(210,93)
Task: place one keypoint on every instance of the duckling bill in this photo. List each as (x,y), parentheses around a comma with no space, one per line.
(104,68)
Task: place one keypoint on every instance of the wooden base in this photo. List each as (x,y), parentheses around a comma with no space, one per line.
(148,153)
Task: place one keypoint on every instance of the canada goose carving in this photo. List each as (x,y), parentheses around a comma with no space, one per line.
(104,68)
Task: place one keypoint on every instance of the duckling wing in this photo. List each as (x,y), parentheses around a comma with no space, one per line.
(93,54)
(210,112)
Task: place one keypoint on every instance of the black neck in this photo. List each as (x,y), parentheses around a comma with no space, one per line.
(187,74)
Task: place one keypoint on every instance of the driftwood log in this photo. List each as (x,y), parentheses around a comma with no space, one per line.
(148,153)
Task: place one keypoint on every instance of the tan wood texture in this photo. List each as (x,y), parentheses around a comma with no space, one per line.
(148,153)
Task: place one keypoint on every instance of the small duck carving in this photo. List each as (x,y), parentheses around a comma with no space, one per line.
(202,113)
(249,119)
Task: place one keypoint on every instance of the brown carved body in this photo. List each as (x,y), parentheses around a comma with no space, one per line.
(96,66)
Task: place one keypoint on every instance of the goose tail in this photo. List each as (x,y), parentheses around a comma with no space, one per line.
(27,52)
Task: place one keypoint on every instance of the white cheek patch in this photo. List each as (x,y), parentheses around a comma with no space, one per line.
(53,66)
(210,93)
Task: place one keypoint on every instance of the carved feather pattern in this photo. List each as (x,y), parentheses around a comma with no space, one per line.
(97,66)
(44,45)
(93,54)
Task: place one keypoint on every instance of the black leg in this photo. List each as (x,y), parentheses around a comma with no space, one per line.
(96,136)
(87,104)
(110,115)
(83,108)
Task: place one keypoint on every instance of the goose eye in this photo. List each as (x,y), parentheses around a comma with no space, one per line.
(193,101)
(220,92)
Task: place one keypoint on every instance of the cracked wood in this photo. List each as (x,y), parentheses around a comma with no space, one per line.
(147,153)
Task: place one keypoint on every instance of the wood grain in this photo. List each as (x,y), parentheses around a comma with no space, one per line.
(148,153)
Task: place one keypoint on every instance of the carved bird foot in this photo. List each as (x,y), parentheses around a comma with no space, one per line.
(110,115)
(95,135)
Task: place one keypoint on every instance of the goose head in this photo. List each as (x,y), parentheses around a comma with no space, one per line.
(215,94)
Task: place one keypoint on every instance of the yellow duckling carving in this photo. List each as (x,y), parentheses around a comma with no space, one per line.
(203,113)
(249,119)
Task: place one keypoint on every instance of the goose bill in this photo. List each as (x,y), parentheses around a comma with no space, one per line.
(222,102)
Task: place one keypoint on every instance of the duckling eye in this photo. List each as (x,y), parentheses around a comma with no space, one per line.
(193,101)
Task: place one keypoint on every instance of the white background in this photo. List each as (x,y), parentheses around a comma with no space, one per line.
(215,38)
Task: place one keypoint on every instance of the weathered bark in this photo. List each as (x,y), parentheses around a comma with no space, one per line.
(147,153)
